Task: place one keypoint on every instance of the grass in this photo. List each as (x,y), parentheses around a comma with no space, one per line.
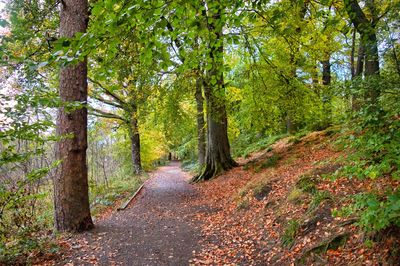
(318,198)
(104,196)
(244,145)
(307,183)
(295,195)
(290,232)
(243,204)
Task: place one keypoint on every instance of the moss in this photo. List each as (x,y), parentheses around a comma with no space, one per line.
(261,190)
(296,195)
(294,140)
(271,161)
(243,204)
(307,183)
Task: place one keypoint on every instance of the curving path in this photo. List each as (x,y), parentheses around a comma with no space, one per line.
(157,228)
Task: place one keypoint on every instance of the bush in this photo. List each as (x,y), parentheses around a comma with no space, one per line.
(373,138)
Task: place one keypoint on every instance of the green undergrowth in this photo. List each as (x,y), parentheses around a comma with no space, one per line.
(269,162)
(246,144)
(117,188)
(190,166)
(373,139)
(290,231)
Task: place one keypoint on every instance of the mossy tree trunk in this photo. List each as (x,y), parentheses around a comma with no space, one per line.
(218,156)
(135,140)
(201,130)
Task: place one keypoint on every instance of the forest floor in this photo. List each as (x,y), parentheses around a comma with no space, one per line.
(277,208)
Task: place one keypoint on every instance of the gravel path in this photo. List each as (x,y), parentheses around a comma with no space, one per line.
(157,228)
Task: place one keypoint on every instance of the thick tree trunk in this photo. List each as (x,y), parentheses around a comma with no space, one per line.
(218,156)
(71,199)
(135,142)
(368,42)
(201,136)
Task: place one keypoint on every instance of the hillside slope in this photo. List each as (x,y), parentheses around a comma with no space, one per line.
(279,208)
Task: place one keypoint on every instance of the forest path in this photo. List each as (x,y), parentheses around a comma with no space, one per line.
(157,228)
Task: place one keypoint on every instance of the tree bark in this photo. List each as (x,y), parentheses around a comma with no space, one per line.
(360,61)
(218,156)
(368,41)
(201,136)
(353,49)
(326,81)
(71,199)
(326,71)
(135,141)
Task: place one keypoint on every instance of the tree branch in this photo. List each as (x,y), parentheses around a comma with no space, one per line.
(107,91)
(105,101)
(100,113)
(357,16)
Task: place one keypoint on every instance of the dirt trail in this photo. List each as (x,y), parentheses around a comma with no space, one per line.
(156,229)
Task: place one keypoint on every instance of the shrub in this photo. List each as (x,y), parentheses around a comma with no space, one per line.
(373,138)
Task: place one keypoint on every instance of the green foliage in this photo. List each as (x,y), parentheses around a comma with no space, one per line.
(318,198)
(271,161)
(25,144)
(245,144)
(290,232)
(376,212)
(149,54)
(307,183)
(374,139)
(117,187)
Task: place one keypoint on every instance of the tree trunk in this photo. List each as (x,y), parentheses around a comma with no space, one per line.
(368,41)
(71,199)
(353,49)
(326,72)
(360,61)
(218,156)
(135,141)
(201,136)
(326,81)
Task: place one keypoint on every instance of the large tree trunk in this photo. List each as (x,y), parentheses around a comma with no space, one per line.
(135,141)
(368,41)
(218,156)
(201,136)
(71,199)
